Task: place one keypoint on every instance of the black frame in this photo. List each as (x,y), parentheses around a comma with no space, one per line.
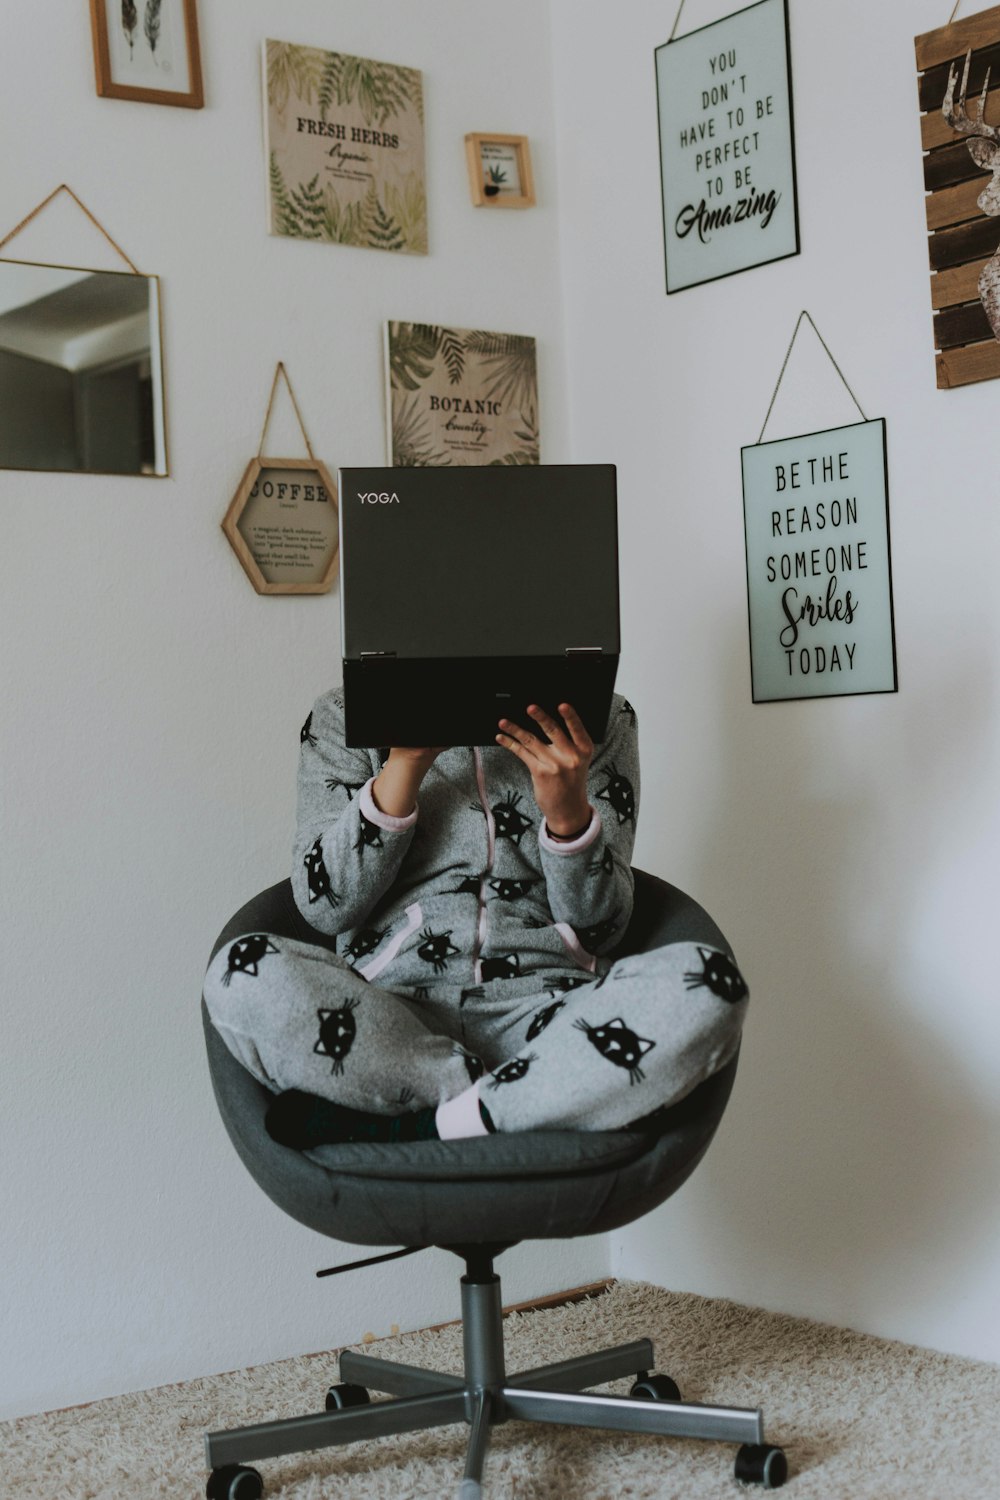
(864,692)
(772,260)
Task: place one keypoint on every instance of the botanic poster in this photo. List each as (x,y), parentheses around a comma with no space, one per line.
(460,396)
(345,145)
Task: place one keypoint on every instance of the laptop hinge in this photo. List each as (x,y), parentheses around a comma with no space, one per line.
(369,655)
(584,650)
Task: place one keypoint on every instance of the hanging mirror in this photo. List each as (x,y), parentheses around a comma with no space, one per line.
(81,382)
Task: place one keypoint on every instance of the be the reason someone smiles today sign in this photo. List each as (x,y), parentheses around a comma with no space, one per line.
(818,569)
(726,150)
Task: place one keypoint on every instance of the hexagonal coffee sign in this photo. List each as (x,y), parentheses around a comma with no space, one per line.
(282,525)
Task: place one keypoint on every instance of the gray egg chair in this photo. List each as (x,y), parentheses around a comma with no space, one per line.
(477,1198)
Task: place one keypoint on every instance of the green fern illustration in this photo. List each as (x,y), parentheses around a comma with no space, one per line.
(282,212)
(384,233)
(309,207)
(453,353)
(301,211)
(382,89)
(341,224)
(412,447)
(408,206)
(510,360)
(293,68)
(413,349)
(329,84)
(527,434)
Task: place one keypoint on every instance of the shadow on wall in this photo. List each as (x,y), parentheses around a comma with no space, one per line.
(848,1187)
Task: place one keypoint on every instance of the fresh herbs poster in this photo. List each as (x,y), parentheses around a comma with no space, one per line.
(727,155)
(819,577)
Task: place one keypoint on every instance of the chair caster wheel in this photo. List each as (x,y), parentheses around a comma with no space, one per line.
(760,1463)
(655,1388)
(234,1482)
(339,1396)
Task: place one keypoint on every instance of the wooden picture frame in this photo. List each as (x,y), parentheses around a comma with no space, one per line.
(280,554)
(500,173)
(960,135)
(127,36)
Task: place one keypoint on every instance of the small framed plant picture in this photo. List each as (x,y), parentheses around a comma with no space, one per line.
(147,50)
(500,171)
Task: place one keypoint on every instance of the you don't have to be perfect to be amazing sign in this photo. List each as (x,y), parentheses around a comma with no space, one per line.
(726,146)
(818,569)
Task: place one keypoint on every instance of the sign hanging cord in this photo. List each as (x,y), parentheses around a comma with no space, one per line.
(281,371)
(677,18)
(788,353)
(954,13)
(65,188)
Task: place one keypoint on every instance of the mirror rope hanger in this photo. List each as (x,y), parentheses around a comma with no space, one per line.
(784,366)
(281,371)
(65,188)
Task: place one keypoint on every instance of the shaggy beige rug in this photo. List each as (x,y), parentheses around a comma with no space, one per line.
(860,1418)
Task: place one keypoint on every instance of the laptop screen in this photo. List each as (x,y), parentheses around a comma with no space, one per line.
(478,561)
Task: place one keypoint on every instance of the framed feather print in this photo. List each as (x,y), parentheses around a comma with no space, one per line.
(147,50)
(345,149)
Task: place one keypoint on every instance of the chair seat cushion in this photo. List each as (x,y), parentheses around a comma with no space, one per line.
(527,1154)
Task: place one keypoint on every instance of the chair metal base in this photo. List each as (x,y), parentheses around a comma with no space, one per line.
(486,1397)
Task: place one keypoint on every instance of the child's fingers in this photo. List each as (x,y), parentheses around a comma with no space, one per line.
(554,731)
(518,740)
(577,732)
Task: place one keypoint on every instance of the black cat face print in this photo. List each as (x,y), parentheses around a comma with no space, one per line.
(364,941)
(604,865)
(320,888)
(591,938)
(369,835)
(508,821)
(512,890)
(619,1044)
(436,948)
(245,956)
(507,966)
(337,1031)
(718,974)
(564,982)
(541,1019)
(619,792)
(474,1066)
(511,1071)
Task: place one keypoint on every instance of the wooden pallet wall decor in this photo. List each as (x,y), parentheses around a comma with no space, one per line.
(959,87)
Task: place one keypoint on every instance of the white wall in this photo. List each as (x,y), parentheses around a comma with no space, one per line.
(152,701)
(847,846)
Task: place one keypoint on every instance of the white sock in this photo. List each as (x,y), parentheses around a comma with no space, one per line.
(459,1118)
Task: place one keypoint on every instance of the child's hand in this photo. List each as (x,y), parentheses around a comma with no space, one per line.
(558,765)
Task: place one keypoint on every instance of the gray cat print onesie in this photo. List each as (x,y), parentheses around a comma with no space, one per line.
(471,970)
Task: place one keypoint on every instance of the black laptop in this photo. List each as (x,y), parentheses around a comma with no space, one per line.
(469,592)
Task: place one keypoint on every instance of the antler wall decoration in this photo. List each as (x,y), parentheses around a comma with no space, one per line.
(961,141)
(984,148)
